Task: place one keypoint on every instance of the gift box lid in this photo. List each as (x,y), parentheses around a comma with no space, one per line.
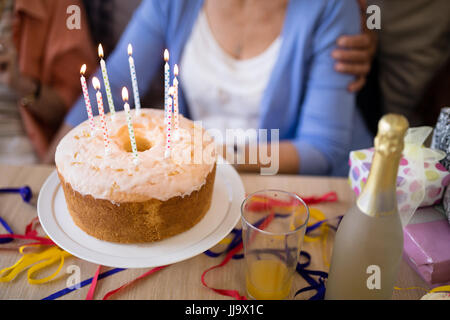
(427,244)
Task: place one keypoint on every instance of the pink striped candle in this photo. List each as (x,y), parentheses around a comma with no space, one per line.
(101,112)
(87,101)
(176,133)
(166,81)
(169,124)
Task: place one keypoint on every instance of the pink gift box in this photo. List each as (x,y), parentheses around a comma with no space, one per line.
(427,246)
(408,185)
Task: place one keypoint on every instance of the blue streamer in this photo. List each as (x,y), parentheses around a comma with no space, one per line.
(25,192)
(65,291)
(7,228)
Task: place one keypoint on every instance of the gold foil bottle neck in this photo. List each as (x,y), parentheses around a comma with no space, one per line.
(391,133)
(378,197)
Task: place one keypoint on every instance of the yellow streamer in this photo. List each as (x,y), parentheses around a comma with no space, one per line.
(35,262)
(437,289)
(318,215)
(441,289)
(225,241)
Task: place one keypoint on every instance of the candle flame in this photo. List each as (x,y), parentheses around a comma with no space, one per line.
(100,50)
(124,94)
(130,49)
(83,69)
(96,83)
(166,55)
(171,91)
(175,70)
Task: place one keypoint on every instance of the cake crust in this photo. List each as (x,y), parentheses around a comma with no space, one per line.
(138,222)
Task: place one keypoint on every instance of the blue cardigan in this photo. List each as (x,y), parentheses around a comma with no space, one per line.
(306,99)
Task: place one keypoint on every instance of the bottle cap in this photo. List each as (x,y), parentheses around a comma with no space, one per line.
(391,132)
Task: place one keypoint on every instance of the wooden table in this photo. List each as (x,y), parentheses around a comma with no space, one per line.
(180,280)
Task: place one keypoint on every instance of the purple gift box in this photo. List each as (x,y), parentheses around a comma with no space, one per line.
(427,246)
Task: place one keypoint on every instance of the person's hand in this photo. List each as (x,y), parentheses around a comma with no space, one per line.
(354,54)
(10,75)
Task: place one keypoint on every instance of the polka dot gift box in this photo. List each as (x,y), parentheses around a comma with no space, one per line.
(421,178)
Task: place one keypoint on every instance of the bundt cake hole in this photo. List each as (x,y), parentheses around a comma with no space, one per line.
(142,144)
(123,139)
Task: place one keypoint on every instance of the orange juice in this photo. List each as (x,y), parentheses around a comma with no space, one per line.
(268,280)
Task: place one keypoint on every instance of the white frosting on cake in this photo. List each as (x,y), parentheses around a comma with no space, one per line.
(81,160)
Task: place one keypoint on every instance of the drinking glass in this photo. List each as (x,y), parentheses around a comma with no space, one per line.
(273,225)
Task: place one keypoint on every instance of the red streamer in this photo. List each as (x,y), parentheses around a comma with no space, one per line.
(90,294)
(269,202)
(230,293)
(30,234)
(30,229)
(327,197)
(41,240)
(110,293)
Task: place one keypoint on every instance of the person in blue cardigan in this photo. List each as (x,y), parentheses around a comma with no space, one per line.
(253,64)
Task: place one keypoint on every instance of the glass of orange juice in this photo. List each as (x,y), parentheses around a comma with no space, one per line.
(273,225)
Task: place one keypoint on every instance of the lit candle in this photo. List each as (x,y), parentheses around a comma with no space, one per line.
(137,101)
(101,112)
(106,82)
(176,133)
(126,107)
(87,101)
(166,80)
(169,124)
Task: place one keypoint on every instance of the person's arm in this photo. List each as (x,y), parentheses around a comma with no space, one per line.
(324,132)
(354,53)
(283,159)
(146,34)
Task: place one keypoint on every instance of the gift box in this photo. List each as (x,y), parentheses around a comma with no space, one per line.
(426,246)
(441,136)
(421,177)
(446,203)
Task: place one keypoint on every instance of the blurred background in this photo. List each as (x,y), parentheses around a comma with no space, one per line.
(403,67)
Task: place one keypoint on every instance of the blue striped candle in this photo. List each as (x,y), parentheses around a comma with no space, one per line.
(126,107)
(106,82)
(137,101)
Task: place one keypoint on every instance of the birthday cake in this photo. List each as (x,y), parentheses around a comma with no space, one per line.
(113,198)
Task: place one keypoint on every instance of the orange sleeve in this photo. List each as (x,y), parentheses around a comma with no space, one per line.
(66,51)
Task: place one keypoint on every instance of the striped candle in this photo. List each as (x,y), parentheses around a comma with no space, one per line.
(176,133)
(169,124)
(106,82)
(87,101)
(137,101)
(101,112)
(166,81)
(126,107)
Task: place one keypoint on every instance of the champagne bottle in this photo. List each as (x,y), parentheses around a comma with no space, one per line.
(369,241)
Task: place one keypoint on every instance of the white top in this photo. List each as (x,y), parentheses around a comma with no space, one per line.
(223,92)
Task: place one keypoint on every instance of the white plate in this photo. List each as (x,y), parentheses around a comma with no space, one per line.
(221,218)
